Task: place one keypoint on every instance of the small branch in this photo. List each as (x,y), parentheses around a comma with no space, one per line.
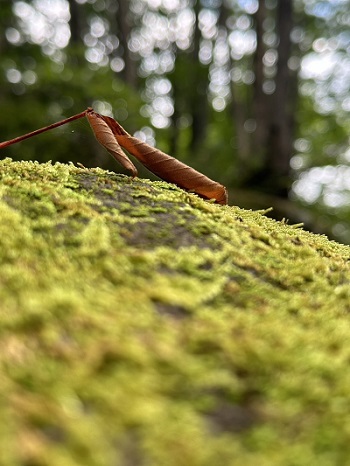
(42,130)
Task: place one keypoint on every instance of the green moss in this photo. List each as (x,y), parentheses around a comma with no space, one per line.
(142,325)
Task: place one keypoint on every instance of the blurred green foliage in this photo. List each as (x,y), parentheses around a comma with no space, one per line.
(58,93)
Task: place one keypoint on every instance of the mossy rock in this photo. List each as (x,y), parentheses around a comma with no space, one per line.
(143,326)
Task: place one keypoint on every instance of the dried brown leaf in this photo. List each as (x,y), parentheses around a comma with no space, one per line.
(104,134)
(166,167)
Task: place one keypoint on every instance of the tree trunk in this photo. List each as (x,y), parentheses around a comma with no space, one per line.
(280,141)
(123,20)
(239,109)
(260,101)
(199,100)
(75,22)
(273,138)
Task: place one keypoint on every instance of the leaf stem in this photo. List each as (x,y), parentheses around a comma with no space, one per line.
(42,130)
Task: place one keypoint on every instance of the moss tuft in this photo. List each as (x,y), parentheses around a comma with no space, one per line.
(143,325)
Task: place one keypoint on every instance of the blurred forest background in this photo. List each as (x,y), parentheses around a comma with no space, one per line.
(255,94)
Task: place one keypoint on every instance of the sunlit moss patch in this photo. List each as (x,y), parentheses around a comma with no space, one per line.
(142,325)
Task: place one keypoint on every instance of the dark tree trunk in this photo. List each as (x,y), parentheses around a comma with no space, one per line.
(199,100)
(75,22)
(123,20)
(273,138)
(239,114)
(260,102)
(174,133)
(280,141)
(238,108)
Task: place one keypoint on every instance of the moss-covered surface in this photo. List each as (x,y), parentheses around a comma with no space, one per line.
(143,326)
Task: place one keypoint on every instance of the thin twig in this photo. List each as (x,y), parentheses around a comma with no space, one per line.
(42,130)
